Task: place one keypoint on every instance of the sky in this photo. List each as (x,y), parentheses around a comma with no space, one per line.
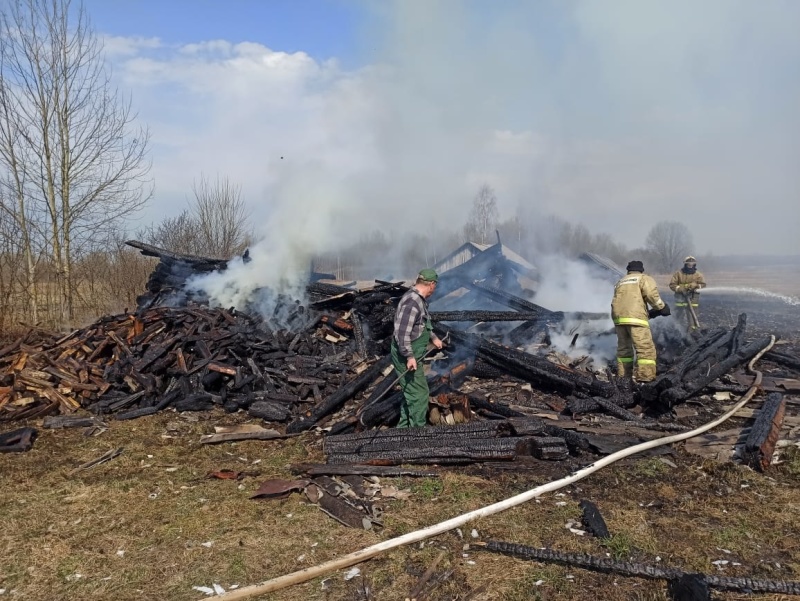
(342,116)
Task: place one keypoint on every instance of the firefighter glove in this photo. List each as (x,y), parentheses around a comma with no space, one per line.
(653,313)
(665,311)
(691,287)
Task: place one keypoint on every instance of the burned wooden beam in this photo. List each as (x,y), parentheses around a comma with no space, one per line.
(345,469)
(473,441)
(18,441)
(531,368)
(338,398)
(696,379)
(764,433)
(482,316)
(659,572)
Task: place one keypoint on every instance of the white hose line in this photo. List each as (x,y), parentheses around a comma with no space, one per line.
(418,535)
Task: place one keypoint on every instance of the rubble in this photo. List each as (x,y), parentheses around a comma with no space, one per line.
(325,365)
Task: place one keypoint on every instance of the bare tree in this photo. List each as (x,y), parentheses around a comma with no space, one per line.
(215,225)
(483,217)
(83,160)
(669,242)
(221,216)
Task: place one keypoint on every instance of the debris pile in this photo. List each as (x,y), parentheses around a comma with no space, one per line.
(327,365)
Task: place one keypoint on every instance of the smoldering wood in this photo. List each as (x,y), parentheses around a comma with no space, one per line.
(765,432)
(532,368)
(659,572)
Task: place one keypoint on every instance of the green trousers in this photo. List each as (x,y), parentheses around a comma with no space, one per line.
(414,384)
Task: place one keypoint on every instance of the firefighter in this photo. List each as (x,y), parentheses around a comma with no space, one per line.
(686,283)
(412,332)
(632,295)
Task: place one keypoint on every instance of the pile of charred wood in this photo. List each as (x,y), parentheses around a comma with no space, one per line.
(327,365)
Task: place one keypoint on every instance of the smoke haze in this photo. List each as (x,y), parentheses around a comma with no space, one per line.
(612,114)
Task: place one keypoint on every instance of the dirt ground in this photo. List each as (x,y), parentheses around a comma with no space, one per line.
(149,525)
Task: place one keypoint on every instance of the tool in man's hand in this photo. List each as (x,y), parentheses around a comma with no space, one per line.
(403,373)
(690,308)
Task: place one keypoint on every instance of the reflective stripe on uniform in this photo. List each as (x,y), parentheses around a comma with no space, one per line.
(625,359)
(631,321)
(645,361)
(682,304)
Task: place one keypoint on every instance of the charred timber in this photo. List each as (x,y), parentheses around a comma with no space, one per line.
(697,380)
(427,435)
(453,452)
(512,301)
(624,568)
(784,359)
(765,432)
(344,469)
(531,368)
(482,316)
(340,397)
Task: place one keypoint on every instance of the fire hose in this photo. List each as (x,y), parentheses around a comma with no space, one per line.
(418,535)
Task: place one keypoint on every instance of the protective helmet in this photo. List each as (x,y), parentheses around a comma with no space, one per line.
(690,259)
(635,266)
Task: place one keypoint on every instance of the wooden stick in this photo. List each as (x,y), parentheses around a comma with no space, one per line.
(415,591)
(412,537)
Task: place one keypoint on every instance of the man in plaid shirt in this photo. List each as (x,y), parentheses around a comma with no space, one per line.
(412,332)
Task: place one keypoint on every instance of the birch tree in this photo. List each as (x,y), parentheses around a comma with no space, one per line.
(483,217)
(82,159)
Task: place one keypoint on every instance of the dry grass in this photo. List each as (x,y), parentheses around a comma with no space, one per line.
(135,527)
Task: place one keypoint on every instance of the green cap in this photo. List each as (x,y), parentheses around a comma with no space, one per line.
(429,275)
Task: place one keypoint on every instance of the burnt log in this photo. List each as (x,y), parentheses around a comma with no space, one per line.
(464,451)
(551,448)
(697,379)
(340,397)
(533,369)
(344,469)
(18,441)
(482,316)
(135,413)
(784,359)
(659,572)
(764,433)
(269,411)
(391,438)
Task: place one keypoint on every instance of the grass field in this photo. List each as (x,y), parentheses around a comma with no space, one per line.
(148,525)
